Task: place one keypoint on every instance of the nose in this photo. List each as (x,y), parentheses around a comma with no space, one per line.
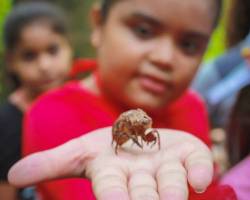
(163,53)
(44,63)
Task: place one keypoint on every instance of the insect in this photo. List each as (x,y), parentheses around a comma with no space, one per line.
(134,124)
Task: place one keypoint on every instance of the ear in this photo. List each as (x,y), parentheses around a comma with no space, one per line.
(96,22)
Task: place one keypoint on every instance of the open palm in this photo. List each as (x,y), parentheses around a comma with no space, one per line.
(132,173)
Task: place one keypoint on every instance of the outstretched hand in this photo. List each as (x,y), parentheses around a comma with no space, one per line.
(133,173)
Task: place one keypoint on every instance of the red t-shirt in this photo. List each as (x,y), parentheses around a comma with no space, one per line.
(72,111)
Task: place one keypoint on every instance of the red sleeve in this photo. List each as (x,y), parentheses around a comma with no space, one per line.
(81,66)
(49,123)
(189,114)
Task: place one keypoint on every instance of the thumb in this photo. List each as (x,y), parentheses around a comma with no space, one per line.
(63,161)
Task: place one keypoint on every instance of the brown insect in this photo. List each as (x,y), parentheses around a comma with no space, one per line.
(134,124)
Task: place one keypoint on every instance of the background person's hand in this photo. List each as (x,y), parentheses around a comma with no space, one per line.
(131,174)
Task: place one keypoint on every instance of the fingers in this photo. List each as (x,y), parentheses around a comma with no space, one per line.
(109,181)
(199,165)
(195,156)
(115,179)
(64,161)
(142,186)
(171,179)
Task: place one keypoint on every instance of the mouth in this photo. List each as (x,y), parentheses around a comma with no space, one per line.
(153,84)
(46,81)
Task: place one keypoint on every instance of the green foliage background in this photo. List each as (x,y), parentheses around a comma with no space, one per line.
(79,21)
(4,9)
(217,43)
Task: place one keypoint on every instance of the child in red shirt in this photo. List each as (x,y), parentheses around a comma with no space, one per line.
(147,54)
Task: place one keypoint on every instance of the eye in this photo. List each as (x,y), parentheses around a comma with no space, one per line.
(28,55)
(53,49)
(145,117)
(146,120)
(190,47)
(143,30)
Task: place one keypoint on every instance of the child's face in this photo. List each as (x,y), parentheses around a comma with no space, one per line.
(42,58)
(149,50)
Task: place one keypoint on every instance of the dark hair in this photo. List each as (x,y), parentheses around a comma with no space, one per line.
(238,22)
(107,4)
(25,13)
(105,8)
(238,136)
(22,15)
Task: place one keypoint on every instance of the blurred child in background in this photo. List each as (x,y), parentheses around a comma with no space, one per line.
(38,57)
